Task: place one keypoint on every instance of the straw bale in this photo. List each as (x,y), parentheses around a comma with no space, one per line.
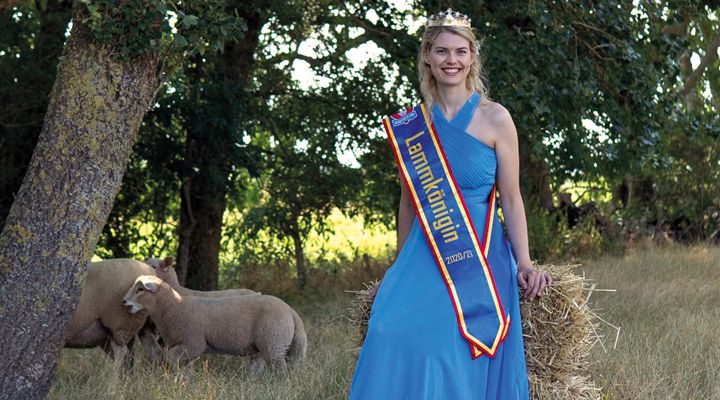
(559,329)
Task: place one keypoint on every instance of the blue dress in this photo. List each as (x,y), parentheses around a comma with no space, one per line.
(413,348)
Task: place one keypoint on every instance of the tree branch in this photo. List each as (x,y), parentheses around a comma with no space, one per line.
(710,56)
(316,62)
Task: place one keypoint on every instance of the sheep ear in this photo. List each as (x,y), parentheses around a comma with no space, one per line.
(167,262)
(150,286)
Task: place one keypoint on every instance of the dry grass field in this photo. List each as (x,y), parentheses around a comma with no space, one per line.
(667,302)
(668,305)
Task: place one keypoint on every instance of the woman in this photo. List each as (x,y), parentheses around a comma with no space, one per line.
(417,346)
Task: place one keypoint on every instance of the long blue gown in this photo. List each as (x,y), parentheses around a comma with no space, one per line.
(413,348)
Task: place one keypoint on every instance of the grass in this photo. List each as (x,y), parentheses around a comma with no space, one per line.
(325,374)
(666,302)
(667,305)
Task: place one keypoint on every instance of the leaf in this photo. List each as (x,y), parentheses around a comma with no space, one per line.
(181,41)
(190,20)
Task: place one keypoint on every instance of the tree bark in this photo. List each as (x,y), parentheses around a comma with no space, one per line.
(208,161)
(536,180)
(299,254)
(95,110)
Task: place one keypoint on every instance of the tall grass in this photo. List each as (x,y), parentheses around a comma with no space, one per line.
(667,303)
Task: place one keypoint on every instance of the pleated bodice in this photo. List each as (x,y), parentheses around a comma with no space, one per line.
(473,162)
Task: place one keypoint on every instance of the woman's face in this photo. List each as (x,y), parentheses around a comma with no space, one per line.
(450,59)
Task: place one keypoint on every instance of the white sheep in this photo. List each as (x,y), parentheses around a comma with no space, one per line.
(164,270)
(152,342)
(259,325)
(100,319)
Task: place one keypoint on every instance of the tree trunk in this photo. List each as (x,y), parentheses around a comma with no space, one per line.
(535,175)
(95,110)
(202,209)
(208,159)
(299,257)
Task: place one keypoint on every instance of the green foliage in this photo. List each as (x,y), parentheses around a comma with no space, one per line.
(553,241)
(132,27)
(277,146)
(686,194)
(136,27)
(31,40)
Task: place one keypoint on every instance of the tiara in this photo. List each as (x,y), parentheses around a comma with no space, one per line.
(448,18)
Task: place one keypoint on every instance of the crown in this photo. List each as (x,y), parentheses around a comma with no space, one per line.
(448,18)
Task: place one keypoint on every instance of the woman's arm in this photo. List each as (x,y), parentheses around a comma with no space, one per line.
(406,216)
(508,179)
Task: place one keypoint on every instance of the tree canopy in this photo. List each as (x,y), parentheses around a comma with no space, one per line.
(617,100)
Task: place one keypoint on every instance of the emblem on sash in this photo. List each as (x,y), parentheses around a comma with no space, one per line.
(460,255)
(403,117)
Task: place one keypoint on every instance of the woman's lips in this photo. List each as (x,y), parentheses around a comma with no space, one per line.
(451,71)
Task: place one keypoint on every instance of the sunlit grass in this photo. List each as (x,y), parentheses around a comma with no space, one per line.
(346,239)
(350,239)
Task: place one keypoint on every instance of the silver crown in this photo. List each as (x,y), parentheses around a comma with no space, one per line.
(448,18)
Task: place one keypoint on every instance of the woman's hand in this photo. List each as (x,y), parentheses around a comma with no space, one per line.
(532,281)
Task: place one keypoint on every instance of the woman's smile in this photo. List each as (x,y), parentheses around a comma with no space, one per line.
(449,59)
(451,71)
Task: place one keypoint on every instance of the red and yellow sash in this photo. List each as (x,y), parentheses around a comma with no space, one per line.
(460,256)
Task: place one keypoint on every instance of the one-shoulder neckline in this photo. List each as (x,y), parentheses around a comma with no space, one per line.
(473,100)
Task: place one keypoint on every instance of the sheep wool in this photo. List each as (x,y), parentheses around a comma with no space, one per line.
(261,326)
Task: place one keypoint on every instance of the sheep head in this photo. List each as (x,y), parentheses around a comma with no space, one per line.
(141,294)
(159,263)
(164,270)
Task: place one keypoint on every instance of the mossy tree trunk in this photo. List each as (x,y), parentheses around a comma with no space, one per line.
(96,106)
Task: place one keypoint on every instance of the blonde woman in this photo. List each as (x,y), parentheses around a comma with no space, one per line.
(445,322)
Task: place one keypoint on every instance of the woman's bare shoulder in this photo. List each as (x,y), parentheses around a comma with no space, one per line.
(495,113)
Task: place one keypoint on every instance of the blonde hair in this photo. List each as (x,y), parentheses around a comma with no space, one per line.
(475,79)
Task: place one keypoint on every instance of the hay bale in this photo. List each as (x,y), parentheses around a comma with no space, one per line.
(559,330)
(360,308)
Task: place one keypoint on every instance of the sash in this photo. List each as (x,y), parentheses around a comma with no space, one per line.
(450,233)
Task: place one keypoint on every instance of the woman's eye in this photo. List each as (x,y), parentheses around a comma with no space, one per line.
(441,51)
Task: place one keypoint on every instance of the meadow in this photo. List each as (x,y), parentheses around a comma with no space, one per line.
(665,301)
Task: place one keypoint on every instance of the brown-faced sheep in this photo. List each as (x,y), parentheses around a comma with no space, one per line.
(164,270)
(259,325)
(100,319)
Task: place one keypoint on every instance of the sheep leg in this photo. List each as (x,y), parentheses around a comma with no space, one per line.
(273,352)
(151,344)
(118,351)
(179,355)
(257,366)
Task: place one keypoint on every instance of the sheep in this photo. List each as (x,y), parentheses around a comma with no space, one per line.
(164,270)
(261,326)
(100,319)
(152,343)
